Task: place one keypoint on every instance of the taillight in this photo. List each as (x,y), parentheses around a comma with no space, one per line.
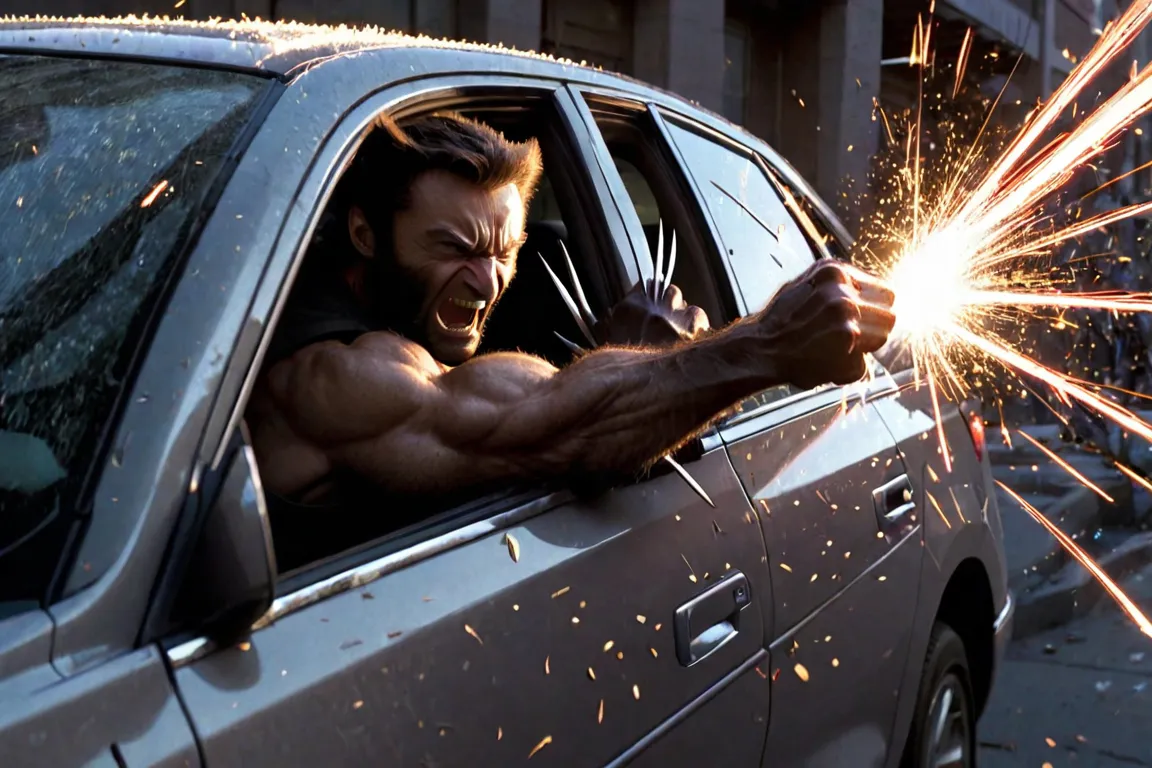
(976,429)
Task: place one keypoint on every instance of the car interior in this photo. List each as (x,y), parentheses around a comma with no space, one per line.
(528,318)
(659,197)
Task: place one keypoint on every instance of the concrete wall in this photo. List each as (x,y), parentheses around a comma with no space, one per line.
(679,45)
(811,89)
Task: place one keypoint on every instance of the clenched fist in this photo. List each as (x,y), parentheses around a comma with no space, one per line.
(638,320)
(820,325)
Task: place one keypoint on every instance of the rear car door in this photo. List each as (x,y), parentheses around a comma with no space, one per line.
(829,487)
(528,624)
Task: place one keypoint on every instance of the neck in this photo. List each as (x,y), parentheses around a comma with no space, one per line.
(355,277)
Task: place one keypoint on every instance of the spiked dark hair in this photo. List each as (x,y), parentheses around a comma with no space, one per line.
(379,179)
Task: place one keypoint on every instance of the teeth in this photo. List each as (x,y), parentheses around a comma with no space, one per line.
(468,304)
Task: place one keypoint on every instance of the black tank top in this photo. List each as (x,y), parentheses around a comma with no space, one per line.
(323,308)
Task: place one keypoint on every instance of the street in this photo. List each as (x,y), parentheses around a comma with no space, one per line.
(1080,694)
(1076,686)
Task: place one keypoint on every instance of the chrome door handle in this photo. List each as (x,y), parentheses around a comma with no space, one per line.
(711,619)
(893,501)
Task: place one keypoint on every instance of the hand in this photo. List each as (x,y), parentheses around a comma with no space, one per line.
(822,324)
(638,320)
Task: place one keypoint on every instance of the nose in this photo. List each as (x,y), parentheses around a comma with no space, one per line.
(483,278)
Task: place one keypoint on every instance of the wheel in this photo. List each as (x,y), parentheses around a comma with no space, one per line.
(943,731)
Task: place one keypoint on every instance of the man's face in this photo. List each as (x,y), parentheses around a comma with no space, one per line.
(457,243)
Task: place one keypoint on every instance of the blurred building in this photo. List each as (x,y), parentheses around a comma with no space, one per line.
(804,74)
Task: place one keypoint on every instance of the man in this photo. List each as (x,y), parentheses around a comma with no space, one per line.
(373,375)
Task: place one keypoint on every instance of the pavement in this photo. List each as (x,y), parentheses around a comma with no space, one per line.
(1076,685)
(1076,695)
(1050,586)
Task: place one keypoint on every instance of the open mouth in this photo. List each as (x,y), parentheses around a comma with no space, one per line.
(460,317)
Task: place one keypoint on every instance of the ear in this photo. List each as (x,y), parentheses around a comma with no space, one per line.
(360,233)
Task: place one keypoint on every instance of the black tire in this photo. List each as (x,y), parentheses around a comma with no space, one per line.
(948,739)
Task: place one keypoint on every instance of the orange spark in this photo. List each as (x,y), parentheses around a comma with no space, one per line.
(1141,481)
(1082,557)
(962,61)
(1059,382)
(1067,467)
(155,193)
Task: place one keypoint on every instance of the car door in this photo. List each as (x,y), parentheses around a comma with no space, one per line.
(832,494)
(542,626)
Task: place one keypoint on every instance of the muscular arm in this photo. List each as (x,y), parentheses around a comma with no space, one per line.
(385,409)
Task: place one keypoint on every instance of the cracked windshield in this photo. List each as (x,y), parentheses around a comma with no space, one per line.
(103,167)
(730,383)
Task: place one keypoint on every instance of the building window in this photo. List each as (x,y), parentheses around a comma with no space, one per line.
(735,70)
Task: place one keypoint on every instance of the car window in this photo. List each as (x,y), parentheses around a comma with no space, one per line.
(763,244)
(103,167)
(639,191)
(660,196)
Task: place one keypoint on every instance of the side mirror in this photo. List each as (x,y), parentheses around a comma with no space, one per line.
(232,574)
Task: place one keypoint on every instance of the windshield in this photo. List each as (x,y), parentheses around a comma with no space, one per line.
(103,169)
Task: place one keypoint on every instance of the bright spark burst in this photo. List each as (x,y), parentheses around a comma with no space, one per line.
(976,249)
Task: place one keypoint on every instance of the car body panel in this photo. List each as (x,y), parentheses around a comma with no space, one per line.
(726,712)
(842,671)
(844,592)
(974,517)
(127,702)
(476,651)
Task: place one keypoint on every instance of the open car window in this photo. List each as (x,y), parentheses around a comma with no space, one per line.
(563,220)
(103,169)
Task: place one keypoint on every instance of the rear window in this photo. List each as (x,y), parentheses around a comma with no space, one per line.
(104,167)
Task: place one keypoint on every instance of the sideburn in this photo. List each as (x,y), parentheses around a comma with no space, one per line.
(396,297)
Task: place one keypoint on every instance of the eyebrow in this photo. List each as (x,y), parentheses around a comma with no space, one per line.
(451,234)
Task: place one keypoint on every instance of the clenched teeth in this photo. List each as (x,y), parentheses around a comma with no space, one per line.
(468,304)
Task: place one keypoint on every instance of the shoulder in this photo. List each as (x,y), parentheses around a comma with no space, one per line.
(333,391)
(334,363)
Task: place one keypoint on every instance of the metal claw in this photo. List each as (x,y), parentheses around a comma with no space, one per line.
(656,278)
(567,297)
(574,348)
(689,479)
(588,316)
(671,266)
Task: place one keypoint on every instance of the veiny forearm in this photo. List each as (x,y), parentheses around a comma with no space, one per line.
(615,410)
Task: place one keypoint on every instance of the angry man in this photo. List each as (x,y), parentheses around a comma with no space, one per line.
(373,376)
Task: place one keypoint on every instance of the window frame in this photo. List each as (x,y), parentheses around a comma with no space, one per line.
(791,402)
(479,516)
(663,118)
(674,182)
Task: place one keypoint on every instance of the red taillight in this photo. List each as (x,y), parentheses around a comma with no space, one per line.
(976,429)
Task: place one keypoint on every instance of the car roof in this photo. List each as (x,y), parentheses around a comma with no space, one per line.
(274,47)
(285,48)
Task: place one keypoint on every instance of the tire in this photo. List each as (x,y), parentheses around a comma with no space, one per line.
(943,733)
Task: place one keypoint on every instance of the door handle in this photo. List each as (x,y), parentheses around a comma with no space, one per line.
(893,501)
(711,619)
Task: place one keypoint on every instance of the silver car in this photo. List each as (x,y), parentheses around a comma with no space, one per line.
(841,601)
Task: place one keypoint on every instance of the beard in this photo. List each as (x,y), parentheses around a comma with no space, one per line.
(400,302)
(397,297)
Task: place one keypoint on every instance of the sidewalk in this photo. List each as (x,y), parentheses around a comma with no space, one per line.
(1050,587)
